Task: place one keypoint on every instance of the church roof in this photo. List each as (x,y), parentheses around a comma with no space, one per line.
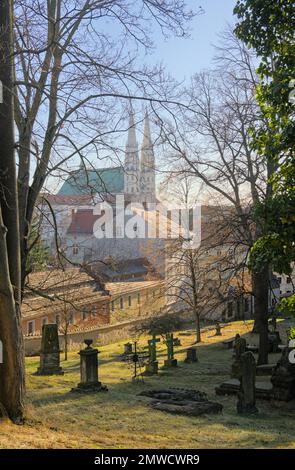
(106,180)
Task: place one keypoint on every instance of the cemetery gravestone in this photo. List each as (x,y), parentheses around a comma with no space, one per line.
(50,352)
(239,349)
(170,361)
(273,342)
(152,365)
(247,375)
(128,348)
(176,342)
(218,329)
(89,370)
(191,356)
(283,377)
(273,323)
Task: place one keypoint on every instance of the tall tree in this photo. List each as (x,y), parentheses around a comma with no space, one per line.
(268,28)
(215,146)
(12,384)
(75,65)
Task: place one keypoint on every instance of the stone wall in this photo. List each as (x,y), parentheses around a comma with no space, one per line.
(101,336)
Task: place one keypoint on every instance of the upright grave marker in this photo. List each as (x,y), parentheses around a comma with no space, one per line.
(152,365)
(247,375)
(89,370)
(50,352)
(191,356)
(239,349)
(283,377)
(170,361)
(217,329)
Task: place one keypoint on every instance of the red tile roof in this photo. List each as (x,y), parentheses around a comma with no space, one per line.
(83,221)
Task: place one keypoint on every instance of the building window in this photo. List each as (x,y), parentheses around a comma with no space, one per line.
(83,315)
(280,280)
(57,319)
(246,305)
(71,319)
(113,305)
(94,310)
(138,298)
(121,303)
(31,327)
(129,301)
(288,280)
(44,321)
(75,250)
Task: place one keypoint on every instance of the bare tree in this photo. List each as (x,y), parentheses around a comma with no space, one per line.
(214,145)
(70,77)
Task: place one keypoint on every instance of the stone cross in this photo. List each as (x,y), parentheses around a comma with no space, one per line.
(89,370)
(170,361)
(170,345)
(152,345)
(151,367)
(247,375)
(50,352)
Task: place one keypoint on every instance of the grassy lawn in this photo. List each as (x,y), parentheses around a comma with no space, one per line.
(121,419)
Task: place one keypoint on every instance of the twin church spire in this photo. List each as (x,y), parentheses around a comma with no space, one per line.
(139,176)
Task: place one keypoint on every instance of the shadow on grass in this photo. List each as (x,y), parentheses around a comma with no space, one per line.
(213,368)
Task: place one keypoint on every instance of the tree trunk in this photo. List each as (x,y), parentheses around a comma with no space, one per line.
(12,369)
(255,328)
(260,290)
(66,346)
(12,386)
(198,329)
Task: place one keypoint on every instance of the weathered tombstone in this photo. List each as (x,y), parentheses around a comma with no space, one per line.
(170,361)
(283,377)
(218,329)
(151,367)
(247,375)
(128,348)
(50,352)
(176,342)
(239,349)
(273,323)
(89,370)
(191,356)
(274,341)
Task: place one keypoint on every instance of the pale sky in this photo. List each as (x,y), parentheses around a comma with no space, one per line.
(184,57)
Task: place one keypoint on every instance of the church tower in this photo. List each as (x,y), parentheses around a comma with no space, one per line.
(147,165)
(131,170)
